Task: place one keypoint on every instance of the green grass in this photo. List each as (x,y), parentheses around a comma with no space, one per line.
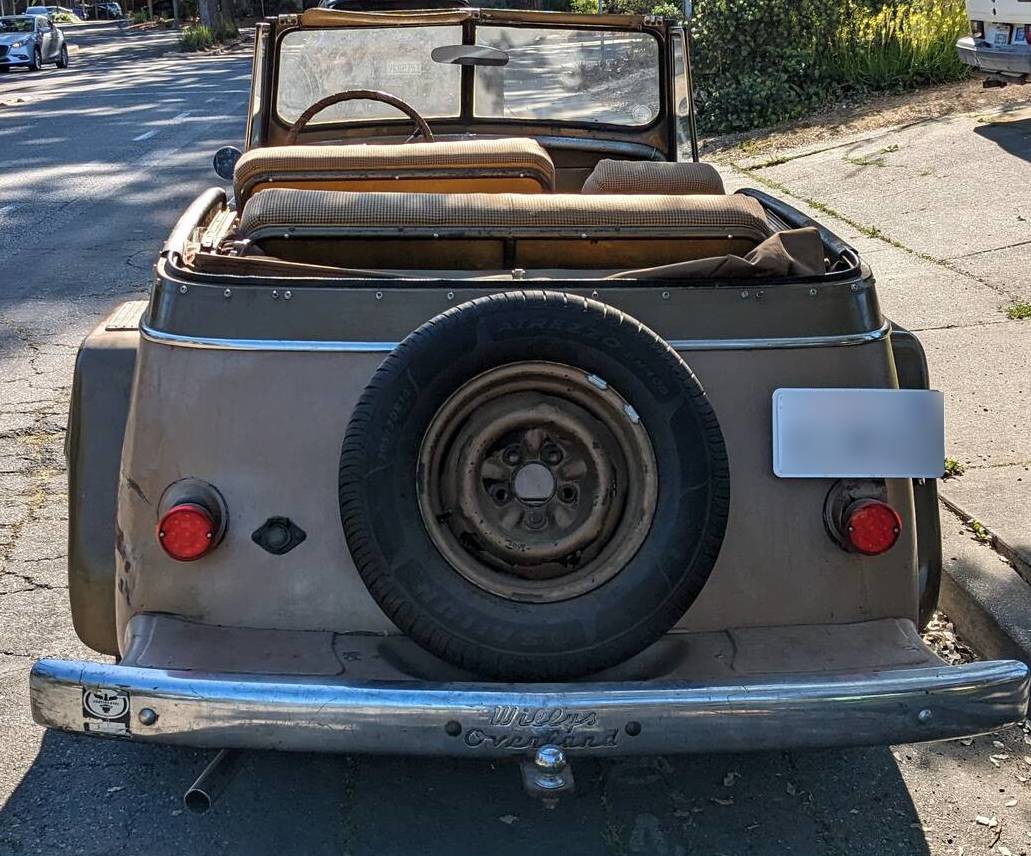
(1018,310)
(953,468)
(980,533)
(199,37)
(196,38)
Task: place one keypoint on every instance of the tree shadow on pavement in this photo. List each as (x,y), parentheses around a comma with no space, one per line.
(1011,136)
(108,797)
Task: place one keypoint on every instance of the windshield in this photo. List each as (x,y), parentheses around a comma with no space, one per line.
(15,25)
(551,74)
(570,75)
(317,63)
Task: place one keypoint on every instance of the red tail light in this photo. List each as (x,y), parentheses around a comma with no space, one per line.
(871,526)
(187,531)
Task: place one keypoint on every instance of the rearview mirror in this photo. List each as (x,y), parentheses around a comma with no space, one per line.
(469,55)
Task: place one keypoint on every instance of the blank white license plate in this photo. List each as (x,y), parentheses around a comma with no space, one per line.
(858,433)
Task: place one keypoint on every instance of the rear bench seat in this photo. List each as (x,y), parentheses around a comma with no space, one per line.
(462,166)
(489,231)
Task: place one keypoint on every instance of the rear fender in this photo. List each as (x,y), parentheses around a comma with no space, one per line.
(93,447)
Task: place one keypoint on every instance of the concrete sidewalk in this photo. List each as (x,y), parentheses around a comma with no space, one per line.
(941,210)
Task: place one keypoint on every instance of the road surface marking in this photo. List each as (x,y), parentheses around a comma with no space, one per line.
(144,136)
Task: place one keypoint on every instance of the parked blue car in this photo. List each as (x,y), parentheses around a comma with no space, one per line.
(31,40)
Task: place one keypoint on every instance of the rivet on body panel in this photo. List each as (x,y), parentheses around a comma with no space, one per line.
(275,294)
(450,295)
(287,295)
(812,292)
(379,295)
(665,295)
(227,293)
(182,289)
(855,286)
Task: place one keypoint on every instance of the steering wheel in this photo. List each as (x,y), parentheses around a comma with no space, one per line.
(421,128)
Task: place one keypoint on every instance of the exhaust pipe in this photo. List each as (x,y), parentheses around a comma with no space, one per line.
(201,795)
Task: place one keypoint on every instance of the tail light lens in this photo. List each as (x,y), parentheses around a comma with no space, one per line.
(871,527)
(187,531)
(977,29)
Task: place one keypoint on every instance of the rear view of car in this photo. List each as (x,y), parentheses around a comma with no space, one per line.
(998,44)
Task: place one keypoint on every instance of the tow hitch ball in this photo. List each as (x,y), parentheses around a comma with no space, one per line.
(547,776)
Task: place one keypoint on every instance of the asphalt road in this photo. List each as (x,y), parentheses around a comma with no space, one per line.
(96,162)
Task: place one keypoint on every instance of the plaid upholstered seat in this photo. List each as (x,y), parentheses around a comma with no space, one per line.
(462,166)
(319,212)
(613,176)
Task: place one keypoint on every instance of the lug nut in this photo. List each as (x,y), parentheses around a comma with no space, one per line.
(535,520)
(511,456)
(551,454)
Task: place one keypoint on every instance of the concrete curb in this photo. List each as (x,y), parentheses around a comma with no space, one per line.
(998,542)
(983,596)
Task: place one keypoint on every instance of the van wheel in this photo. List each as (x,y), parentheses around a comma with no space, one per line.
(534,486)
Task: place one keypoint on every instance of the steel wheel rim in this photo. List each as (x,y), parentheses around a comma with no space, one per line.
(537,481)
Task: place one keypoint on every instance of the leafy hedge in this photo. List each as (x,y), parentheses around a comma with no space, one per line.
(758,62)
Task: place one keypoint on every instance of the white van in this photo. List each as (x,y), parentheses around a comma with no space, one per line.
(998,44)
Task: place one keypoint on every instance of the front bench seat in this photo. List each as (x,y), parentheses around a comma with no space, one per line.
(653,177)
(515,165)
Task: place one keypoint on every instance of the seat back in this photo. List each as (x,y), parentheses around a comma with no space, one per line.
(464,166)
(650,177)
(483,231)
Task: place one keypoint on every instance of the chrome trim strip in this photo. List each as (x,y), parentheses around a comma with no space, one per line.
(163,338)
(481,719)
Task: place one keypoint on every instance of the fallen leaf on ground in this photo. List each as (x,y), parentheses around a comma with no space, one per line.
(1004,851)
(998,744)
(508,818)
(727,801)
(791,789)
(990,822)
(730,778)
(967,742)
(116,789)
(1010,803)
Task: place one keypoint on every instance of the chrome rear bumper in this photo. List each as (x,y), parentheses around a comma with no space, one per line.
(483,719)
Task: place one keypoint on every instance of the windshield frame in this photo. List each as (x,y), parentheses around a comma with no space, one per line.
(656,134)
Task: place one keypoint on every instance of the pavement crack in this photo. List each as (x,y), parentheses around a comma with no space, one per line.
(872,232)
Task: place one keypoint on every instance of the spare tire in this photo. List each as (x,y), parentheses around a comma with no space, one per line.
(534,486)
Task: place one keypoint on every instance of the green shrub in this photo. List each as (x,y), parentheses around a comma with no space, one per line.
(900,45)
(66,18)
(195,38)
(140,16)
(759,62)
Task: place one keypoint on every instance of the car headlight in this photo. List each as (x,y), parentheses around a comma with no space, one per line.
(20,44)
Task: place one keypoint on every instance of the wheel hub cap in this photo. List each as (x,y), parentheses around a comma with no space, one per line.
(535,482)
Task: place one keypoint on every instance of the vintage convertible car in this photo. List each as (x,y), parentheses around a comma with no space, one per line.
(481,420)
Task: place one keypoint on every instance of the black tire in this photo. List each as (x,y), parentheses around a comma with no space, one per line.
(441,609)
(62,57)
(37,60)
